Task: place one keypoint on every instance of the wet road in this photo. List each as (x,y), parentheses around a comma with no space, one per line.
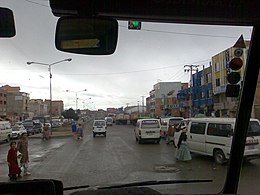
(117,158)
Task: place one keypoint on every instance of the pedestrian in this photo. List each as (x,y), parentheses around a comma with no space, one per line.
(22,147)
(80,131)
(14,168)
(74,129)
(46,132)
(170,134)
(183,153)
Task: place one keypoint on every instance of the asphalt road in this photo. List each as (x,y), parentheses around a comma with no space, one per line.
(118,159)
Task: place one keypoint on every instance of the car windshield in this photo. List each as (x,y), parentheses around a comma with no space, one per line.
(161,71)
(16,128)
(253,129)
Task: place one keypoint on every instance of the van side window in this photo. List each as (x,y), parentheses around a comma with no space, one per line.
(198,128)
(223,130)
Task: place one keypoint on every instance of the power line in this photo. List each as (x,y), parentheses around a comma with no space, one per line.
(190,34)
(127,72)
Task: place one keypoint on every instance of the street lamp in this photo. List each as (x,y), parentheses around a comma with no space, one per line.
(76,92)
(49,69)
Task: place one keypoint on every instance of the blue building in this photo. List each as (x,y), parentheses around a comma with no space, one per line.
(184,100)
(202,92)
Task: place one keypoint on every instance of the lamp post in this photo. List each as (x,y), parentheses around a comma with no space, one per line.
(76,92)
(49,69)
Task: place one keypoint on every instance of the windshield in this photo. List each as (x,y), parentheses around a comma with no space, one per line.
(161,71)
(16,128)
(253,129)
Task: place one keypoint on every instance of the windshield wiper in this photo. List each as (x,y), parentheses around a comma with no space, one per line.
(143,183)
(150,183)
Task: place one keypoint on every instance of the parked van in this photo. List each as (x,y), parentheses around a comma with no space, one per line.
(147,129)
(166,122)
(5,131)
(213,137)
(99,128)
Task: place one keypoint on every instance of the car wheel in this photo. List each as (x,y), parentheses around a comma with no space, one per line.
(219,157)
(105,134)
(158,141)
(140,141)
(94,135)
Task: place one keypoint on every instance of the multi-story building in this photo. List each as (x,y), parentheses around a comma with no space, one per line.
(17,105)
(165,94)
(3,100)
(202,96)
(225,106)
(150,103)
(57,107)
(38,107)
(184,100)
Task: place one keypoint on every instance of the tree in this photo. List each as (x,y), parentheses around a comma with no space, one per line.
(70,114)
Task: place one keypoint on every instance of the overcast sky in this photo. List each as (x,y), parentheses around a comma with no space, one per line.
(158,52)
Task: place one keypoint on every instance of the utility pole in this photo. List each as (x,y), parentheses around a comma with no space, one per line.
(190,68)
(142,103)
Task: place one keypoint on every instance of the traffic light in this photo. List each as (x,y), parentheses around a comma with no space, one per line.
(234,69)
(134,25)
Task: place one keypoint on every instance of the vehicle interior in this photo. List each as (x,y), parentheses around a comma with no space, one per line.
(90,27)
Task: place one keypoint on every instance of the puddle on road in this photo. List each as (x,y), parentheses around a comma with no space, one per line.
(166,169)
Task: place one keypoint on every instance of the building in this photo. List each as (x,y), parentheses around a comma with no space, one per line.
(202,95)
(17,105)
(3,100)
(57,107)
(150,103)
(165,95)
(225,106)
(184,100)
(38,107)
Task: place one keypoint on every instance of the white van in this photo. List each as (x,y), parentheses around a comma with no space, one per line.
(5,131)
(99,128)
(147,129)
(109,121)
(213,137)
(166,122)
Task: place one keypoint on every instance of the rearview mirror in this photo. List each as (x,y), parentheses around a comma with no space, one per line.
(92,36)
(7,27)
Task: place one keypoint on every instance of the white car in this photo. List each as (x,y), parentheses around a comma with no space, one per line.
(5,131)
(17,131)
(99,128)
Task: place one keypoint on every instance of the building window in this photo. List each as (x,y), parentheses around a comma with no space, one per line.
(4,102)
(217,67)
(1,94)
(1,102)
(217,82)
